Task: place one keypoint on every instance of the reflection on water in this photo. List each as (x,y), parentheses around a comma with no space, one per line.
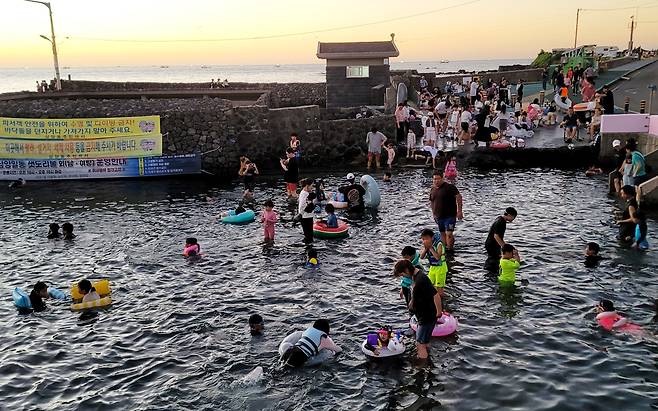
(177,334)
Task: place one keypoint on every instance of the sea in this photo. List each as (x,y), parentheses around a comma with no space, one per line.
(24,78)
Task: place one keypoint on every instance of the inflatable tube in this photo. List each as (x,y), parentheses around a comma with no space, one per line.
(607,319)
(102,288)
(372,197)
(242,218)
(56,294)
(320,230)
(500,144)
(290,341)
(392,350)
(103,302)
(21,299)
(563,106)
(338,204)
(588,106)
(445,325)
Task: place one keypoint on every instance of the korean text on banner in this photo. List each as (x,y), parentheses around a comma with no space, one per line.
(116,147)
(78,128)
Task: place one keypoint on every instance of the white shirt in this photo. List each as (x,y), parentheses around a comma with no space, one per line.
(478,106)
(465,117)
(423,83)
(441,108)
(301,205)
(474,88)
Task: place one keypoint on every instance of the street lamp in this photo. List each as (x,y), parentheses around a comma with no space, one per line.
(58,83)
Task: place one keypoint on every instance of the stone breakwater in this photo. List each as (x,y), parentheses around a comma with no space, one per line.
(223,133)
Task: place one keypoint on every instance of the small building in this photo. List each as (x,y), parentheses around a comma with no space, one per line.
(357,73)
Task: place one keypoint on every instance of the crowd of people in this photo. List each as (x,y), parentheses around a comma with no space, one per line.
(43,86)
(219,83)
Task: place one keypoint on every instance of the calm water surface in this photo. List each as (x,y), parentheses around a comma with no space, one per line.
(176,337)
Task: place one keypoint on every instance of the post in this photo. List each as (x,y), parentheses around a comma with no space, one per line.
(58,82)
(643,106)
(627,104)
(652,91)
(630,42)
(542,95)
(575,39)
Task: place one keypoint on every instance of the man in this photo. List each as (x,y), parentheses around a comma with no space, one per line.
(375,141)
(446,208)
(575,82)
(496,239)
(519,91)
(544,78)
(423,84)
(570,123)
(290,172)
(353,193)
(425,304)
(474,90)
(607,100)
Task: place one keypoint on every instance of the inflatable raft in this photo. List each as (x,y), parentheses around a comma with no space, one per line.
(320,230)
(445,325)
(242,218)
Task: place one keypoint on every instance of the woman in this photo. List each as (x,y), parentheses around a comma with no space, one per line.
(401,117)
(248,171)
(484,131)
(628,218)
(588,90)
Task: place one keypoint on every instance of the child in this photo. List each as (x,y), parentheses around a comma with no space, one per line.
(387,177)
(592,256)
(509,263)
(433,249)
(313,340)
(238,210)
(411,143)
(89,293)
(608,318)
(39,292)
(320,196)
(451,167)
(312,258)
(383,339)
(390,154)
(269,219)
(641,242)
(67,231)
(53,231)
(406,282)
(410,253)
(332,220)
(627,179)
(192,247)
(256,324)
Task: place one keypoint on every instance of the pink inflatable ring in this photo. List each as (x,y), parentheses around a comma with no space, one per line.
(445,325)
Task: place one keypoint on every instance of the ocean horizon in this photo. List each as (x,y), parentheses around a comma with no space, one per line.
(24,78)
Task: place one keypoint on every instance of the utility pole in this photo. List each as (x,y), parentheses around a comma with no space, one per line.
(58,83)
(630,42)
(575,39)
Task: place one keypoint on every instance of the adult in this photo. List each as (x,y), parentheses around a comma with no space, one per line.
(353,193)
(248,171)
(629,217)
(446,208)
(290,172)
(305,209)
(544,78)
(401,119)
(570,123)
(595,124)
(483,132)
(607,100)
(295,144)
(503,94)
(519,91)
(423,84)
(589,74)
(496,239)
(617,174)
(554,75)
(473,90)
(442,112)
(588,91)
(638,163)
(425,303)
(375,141)
(577,76)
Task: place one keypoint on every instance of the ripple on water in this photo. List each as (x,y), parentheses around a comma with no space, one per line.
(176,336)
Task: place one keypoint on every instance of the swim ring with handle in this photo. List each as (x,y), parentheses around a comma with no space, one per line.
(445,325)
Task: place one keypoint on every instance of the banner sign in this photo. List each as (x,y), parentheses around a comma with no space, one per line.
(68,169)
(78,128)
(133,146)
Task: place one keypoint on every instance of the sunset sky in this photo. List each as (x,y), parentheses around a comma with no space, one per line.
(479,30)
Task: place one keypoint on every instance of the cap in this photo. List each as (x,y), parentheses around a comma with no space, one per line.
(616,143)
(350,176)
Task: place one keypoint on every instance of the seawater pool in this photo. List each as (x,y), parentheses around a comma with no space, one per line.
(177,335)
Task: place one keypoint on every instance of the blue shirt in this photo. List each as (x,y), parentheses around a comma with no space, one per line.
(332,221)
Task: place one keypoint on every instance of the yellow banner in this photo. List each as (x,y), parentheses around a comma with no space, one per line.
(78,128)
(115,147)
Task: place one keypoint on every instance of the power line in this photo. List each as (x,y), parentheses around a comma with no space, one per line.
(276,36)
(623,8)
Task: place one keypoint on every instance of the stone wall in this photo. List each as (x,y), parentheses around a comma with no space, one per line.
(439,80)
(281,94)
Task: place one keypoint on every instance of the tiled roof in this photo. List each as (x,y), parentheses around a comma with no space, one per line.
(359,49)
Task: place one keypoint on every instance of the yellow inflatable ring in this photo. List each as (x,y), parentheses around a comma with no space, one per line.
(102,288)
(103,302)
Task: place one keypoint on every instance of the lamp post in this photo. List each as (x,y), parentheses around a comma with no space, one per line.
(58,83)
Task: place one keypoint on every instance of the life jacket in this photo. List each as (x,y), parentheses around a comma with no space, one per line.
(433,260)
(310,341)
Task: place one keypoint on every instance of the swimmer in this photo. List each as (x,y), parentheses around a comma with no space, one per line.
(192,247)
(256,324)
(509,263)
(592,256)
(332,220)
(609,319)
(53,231)
(433,249)
(380,340)
(67,231)
(387,177)
(88,291)
(593,170)
(39,292)
(238,210)
(312,258)
(313,340)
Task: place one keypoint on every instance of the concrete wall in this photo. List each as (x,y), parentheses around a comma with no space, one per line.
(610,64)
(626,126)
(350,92)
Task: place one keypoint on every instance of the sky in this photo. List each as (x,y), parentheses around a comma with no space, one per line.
(484,29)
